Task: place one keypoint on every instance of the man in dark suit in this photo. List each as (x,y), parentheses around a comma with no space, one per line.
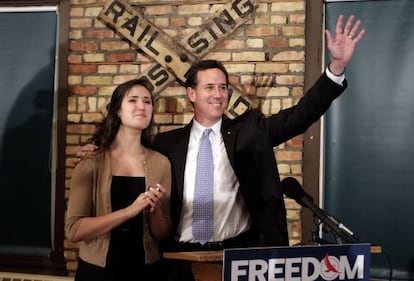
(248,200)
(249,208)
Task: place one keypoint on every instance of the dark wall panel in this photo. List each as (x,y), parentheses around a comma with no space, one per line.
(369,180)
(27,74)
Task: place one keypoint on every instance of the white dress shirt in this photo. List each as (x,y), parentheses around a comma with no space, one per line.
(231,216)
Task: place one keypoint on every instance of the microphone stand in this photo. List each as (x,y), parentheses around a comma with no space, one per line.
(330,225)
(292,189)
(316,239)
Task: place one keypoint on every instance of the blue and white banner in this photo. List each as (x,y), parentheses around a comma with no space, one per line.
(302,263)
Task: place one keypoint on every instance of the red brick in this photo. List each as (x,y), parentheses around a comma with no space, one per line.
(83,90)
(83,46)
(82,68)
(277,42)
(121,57)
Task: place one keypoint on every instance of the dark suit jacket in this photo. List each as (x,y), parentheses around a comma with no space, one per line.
(249,140)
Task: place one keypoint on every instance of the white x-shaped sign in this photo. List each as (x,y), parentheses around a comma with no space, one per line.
(173,59)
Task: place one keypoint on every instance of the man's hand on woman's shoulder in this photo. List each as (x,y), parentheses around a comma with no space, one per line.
(86,151)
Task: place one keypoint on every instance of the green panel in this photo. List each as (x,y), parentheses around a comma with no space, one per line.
(27,56)
(369,181)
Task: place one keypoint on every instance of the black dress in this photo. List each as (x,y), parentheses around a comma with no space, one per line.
(125,259)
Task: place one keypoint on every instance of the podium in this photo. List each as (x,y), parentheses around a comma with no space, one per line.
(315,262)
(206,265)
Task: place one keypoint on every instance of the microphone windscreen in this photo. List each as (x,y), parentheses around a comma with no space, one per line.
(292,188)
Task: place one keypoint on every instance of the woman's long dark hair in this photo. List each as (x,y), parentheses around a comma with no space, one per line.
(109,126)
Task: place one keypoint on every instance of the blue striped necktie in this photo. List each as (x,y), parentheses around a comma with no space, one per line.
(203,205)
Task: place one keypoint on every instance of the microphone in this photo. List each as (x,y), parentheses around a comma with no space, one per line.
(292,189)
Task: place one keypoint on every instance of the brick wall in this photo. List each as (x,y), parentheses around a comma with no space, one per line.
(264,57)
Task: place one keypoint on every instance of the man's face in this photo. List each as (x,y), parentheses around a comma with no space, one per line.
(209,97)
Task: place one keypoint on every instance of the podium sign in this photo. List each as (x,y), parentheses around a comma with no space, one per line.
(302,263)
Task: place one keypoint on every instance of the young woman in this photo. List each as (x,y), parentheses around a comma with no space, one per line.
(119,197)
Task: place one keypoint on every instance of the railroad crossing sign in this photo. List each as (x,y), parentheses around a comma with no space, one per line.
(173,59)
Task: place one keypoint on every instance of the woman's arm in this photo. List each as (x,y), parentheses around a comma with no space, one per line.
(81,222)
(159,221)
(91,227)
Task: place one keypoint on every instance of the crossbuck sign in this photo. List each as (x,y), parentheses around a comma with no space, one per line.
(173,59)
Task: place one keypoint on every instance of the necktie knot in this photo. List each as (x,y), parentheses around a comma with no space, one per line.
(206,133)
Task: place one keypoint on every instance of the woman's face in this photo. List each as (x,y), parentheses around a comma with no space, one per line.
(136,108)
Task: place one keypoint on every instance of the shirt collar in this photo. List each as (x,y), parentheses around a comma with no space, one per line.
(198,129)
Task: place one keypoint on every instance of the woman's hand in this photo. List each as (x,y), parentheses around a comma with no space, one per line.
(155,197)
(140,203)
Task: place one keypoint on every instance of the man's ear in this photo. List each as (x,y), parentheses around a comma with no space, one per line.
(190,94)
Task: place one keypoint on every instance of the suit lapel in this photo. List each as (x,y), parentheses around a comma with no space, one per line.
(229,135)
(179,154)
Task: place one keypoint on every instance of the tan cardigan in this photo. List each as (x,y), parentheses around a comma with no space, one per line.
(90,196)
